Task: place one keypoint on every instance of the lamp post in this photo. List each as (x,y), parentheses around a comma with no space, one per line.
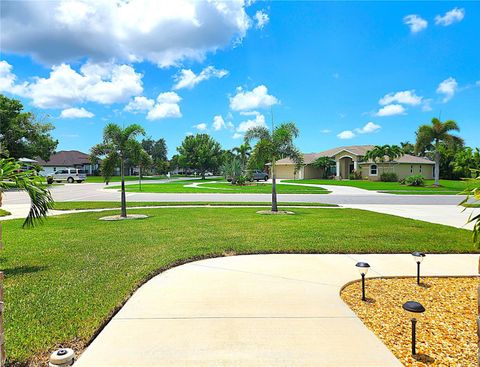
(418,256)
(413,308)
(363,269)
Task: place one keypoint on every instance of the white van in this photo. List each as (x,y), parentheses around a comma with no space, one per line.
(70,175)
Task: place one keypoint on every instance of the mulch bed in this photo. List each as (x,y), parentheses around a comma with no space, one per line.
(446,331)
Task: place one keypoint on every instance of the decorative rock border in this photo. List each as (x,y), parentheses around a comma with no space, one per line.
(280,212)
(112,218)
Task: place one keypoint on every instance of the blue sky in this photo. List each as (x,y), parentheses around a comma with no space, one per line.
(347,73)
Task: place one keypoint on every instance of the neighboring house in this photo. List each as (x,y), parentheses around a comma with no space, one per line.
(67,159)
(349,159)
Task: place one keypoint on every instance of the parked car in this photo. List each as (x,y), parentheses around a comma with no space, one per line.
(70,175)
(257,175)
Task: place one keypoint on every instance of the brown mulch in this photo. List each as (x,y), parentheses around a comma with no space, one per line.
(446,331)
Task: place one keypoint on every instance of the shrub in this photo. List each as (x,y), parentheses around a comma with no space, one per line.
(49,180)
(355,175)
(414,180)
(241,180)
(389,177)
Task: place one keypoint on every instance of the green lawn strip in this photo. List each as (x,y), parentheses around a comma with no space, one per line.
(99,179)
(221,187)
(400,192)
(453,186)
(4,213)
(473,205)
(65,278)
(82,205)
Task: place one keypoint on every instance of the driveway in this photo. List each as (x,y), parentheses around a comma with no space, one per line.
(258,310)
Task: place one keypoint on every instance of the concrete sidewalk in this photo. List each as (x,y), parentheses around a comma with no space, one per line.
(259,310)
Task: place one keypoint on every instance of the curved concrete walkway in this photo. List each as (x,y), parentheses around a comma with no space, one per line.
(258,310)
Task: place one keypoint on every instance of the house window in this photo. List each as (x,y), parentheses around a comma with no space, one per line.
(420,169)
(373,170)
(411,169)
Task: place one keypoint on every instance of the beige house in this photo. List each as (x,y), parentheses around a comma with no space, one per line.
(350,159)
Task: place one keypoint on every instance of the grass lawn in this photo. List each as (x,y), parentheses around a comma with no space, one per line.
(447,187)
(79,205)
(63,279)
(207,186)
(99,179)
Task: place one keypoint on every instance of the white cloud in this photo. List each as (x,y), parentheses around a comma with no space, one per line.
(405,97)
(415,22)
(75,113)
(369,128)
(166,107)
(140,104)
(244,126)
(237,136)
(218,123)
(187,78)
(448,88)
(391,110)
(104,83)
(163,32)
(262,18)
(347,134)
(8,80)
(254,99)
(453,16)
(325,131)
(202,126)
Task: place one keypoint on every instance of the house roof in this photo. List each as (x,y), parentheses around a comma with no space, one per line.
(407,159)
(65,158)
(358,150)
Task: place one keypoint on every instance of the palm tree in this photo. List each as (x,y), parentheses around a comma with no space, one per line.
(379,153)
(430,137)
(118,145)
(324,163)
(12,177)
(243,152)
(275,144)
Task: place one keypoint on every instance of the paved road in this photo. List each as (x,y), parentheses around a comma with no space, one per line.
(258,310)
(339,195)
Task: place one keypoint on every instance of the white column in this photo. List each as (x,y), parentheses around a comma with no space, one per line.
(355,165)
(338,169)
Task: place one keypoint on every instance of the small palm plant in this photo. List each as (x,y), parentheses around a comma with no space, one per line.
(323,163)
(431,137)
(232,170)
(275,145)
(243,152)
(13,178)
(119,144)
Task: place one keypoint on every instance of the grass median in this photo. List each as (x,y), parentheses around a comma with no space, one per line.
(213,186)
(65,278)
(85,205)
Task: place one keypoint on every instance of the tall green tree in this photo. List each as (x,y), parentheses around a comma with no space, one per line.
(243,152)
(323,163)
(22,134)
(142,160)
(119,144)
(431,137)
(275,145)
(13,178)
(200,152)
(158,151)
(407,147)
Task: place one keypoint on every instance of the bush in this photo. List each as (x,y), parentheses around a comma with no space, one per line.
(241,180)
(389,177)
(414,180)
(355,175)
(49,180)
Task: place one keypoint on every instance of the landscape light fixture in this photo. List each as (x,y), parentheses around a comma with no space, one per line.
(413,308)
(363,269)
(418,256)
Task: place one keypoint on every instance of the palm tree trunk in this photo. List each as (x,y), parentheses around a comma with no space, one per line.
(123,198)
(274,188)
(140,177)
(437,168)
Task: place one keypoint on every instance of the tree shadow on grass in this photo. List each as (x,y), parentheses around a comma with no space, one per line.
(21,270)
